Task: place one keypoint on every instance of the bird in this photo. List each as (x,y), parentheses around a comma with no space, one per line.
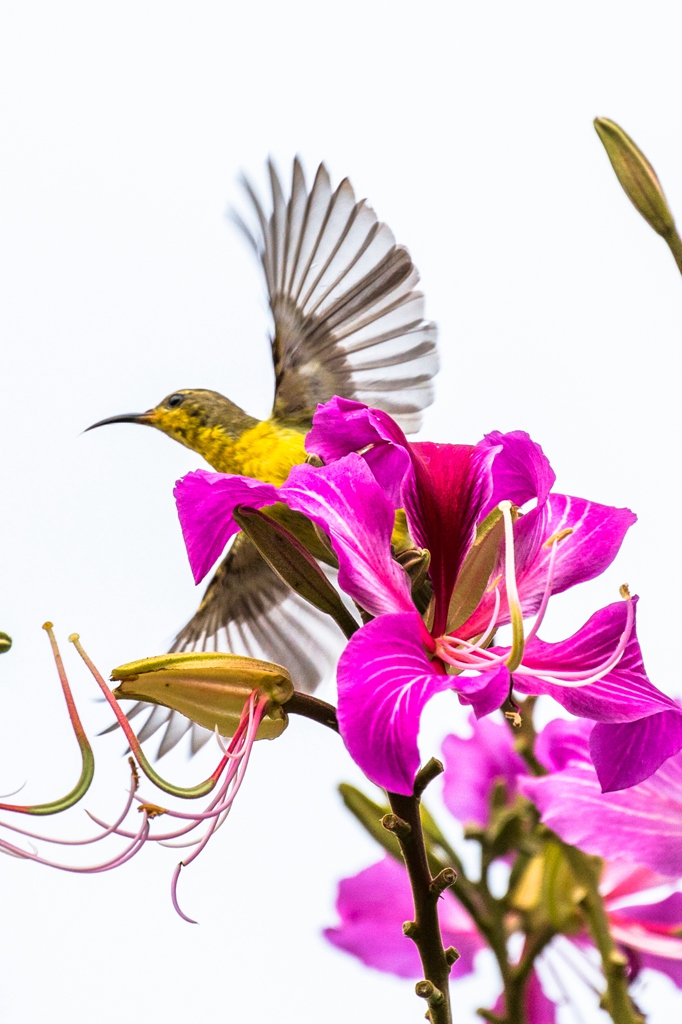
(348,320)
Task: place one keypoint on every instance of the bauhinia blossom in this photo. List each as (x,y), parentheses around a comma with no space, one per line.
(488,567)
(373,904)
(641,825)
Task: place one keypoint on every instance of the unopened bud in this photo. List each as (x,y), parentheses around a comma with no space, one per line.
(210,688)
(5,642)
(636,175)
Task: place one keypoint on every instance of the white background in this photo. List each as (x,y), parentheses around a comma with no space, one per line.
(123,127)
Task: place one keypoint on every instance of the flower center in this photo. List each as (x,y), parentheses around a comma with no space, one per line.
(469,656)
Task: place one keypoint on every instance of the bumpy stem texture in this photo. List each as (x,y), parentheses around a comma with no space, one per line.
(426,931)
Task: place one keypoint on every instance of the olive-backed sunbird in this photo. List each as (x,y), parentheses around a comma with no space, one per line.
(348,321)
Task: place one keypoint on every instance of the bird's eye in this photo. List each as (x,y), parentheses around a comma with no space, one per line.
(175,400)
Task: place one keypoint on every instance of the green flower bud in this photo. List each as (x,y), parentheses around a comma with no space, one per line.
(210,688)
(637,176)
(5,642)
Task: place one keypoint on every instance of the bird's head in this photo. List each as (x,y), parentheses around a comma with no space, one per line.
(190,416)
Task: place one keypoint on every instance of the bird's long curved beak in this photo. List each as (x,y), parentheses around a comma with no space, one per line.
(128,417)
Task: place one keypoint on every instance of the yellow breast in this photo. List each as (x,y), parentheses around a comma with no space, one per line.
(266,451)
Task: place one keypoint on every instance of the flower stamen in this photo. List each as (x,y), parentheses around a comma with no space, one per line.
(515,612)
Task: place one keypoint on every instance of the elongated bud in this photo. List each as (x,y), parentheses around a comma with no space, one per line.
(294,564)
(637,176)
(5,642)
(210,688)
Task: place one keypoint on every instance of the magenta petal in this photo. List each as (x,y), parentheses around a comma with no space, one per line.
(623,695)
(205,503)
(521,470)
(473,765)
(539,1008)
(564,742)
(663,917)
(621,878)
(342,426)
(652,931)
(598,532)
(492,692)
(629,752)
(452,484)
(346,501)
(385,679)
(642,824)
(666,965)
(374,904)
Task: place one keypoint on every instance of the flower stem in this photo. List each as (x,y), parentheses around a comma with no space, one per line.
(313,708)
(617,1001)
(425,930)
(675,246)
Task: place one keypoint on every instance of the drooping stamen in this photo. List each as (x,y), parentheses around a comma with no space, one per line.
(87,756)
(516,615)
(552,543)
(109,829)
(457,652)
(189,793)
(255,713)
(594,674)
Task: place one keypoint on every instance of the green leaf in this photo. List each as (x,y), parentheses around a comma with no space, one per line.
(294,564)
(369,814)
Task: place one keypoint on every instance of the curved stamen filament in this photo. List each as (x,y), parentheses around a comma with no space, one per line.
(109,829)
(87,756)
(548,591)
(592,675)
(516,615)
(449,648)
(191,792)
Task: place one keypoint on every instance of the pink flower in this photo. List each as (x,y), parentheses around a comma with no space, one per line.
(486,569)
(373,904)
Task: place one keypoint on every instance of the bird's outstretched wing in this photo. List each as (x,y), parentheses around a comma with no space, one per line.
(348,320)
(246,609)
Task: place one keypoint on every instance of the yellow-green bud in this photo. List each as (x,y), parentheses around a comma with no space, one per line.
(636,175)
(5,642)
(210,688)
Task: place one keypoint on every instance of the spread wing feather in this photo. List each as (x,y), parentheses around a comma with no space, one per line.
(348,321)
(246,609)
(348,318)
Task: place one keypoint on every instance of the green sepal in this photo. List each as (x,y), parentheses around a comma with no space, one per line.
(5,642)
(304,530)
(475,573)
(210,688)
(294,564)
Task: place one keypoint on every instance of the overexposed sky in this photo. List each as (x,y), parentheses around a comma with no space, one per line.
(123,127)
